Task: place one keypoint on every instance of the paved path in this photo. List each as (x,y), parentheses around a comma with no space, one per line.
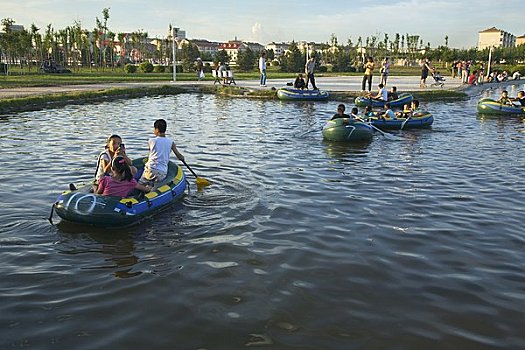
(335,84)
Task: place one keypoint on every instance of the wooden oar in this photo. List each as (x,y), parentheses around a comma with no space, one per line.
(199,180)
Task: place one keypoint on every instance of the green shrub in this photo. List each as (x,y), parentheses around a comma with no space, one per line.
(146,67)
(322,69)
(159,69)
(179,68)
(130,68)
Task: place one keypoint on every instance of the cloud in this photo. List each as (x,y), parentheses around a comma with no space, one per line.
(256,32)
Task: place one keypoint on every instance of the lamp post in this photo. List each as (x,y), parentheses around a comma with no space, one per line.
(174,34)
(490,57)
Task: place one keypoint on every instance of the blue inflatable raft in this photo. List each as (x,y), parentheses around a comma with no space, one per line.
(83,207)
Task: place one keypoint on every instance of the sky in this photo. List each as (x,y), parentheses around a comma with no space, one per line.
(265,21)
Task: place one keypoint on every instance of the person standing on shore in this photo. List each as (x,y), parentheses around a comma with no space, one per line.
(369,72)
(309,69)
(262,68)
(200,69)
(385,70)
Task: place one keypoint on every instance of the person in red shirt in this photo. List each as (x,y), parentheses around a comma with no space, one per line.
(473,78)
(121,181)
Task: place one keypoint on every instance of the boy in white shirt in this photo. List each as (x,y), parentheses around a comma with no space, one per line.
(160,146)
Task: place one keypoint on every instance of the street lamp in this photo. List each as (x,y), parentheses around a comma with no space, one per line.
(174,35)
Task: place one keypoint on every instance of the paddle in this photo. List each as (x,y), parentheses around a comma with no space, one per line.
(387,135)
(307,132)
(199,180)
(404,122)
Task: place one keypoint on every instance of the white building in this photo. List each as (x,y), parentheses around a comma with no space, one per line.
(494,37)
(520,40)
(278,48)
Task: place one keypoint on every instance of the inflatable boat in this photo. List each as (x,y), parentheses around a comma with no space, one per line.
(400,102)
(291,94)
(84,207)
(490,106)
(417,121)
(344,129)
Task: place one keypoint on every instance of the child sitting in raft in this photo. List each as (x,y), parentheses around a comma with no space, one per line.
(504,98)
(121,181)
(520,99)
(160,147)
(382,94)
(368,113)
(389,113)
(340,112)
(392,95)
(299,82)
(114,147)
(354,114)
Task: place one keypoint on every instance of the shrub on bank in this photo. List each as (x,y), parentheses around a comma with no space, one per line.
(146,67)
(159,69)
(130,68)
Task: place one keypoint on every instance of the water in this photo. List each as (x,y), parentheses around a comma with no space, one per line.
(298,243)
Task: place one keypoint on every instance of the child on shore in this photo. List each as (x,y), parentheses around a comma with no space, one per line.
(121,181)
(156,169)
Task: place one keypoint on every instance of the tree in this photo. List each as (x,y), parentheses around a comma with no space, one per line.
(188,55)
(246,59)
(293,60)
(221,56)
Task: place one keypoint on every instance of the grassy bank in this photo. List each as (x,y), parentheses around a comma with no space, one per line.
(31,103)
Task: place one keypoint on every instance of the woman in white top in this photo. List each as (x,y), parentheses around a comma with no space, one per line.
(385,70)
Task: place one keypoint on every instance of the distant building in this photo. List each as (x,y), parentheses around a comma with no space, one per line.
(494,37)
(278,48)
(232,48)
(520,40)
(206,46)
(255,47)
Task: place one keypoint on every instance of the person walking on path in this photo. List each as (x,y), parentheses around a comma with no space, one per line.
(425,68)
(385,70)
(309,70)
(369,72)
(262,68)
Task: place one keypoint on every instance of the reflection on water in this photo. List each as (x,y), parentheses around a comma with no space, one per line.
(298,243)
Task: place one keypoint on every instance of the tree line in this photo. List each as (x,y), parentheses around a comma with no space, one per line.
(77,47)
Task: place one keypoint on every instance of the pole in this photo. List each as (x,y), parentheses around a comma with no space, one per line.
(490,56)
(174,34)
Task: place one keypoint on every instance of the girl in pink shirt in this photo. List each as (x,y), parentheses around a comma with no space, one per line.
(121,181)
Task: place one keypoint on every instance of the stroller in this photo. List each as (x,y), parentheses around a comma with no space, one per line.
(438,79)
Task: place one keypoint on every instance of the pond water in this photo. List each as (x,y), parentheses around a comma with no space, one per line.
(298,243)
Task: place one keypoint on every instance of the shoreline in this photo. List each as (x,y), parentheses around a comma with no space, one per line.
(345,89)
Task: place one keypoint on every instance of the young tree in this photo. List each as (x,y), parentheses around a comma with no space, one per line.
(246,59)
(293,60)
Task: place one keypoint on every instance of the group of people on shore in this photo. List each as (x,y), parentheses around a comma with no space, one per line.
(388,113)
(116,176)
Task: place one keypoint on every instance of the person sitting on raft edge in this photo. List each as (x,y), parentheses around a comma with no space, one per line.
(382,94)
